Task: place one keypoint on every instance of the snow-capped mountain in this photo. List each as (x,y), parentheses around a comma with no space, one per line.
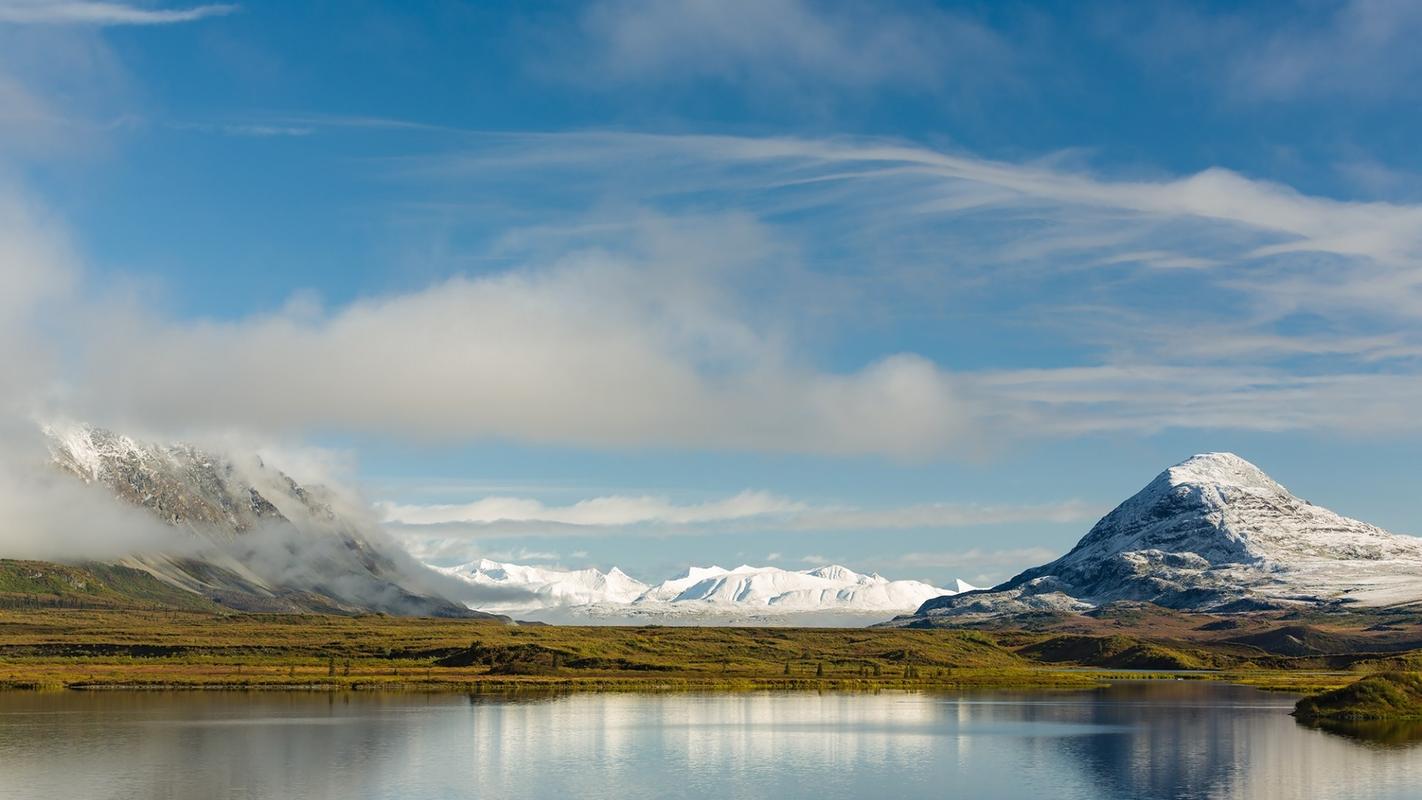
(1212,533)
(762,594)
(532,588)
(246,535)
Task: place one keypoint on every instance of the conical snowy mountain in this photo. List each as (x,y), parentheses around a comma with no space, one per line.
(1213,533)
(704,593)
(246,535)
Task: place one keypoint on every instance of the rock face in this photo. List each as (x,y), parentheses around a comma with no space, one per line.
(246,535)
(752,594)
(1212,533)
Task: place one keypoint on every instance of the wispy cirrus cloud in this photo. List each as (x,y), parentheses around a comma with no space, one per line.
(775,45)
(611,510)
(82,12)
(747,510)
(1358,51)
(1255,307)
(246,129)
(1211,300)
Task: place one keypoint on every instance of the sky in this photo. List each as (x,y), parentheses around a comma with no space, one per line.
(920,288)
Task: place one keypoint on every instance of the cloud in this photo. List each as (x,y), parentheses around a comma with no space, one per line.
(775,45)
(700,330)
(939,515)
(1147,398)
(1350,50)
(614,510)
(634,349)
(250,130)
(982,567)
(758,511)
(38,274)
(79,12)
(50,515)
(1166,287)
(62,89)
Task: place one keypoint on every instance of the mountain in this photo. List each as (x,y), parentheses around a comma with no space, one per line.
(532,588)
(1212,533)
(825,595)
(246,536)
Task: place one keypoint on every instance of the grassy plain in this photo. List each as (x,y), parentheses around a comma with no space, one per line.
(56,648)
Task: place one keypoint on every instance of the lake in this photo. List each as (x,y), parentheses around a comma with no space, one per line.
(1174,739)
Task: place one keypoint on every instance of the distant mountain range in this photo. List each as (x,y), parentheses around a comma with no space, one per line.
(744,594)
(1212,533)
(245,536)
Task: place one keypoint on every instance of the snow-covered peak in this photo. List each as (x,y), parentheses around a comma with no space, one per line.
(87,450)
(1214,532)
(540,587)
(835,572)
(713,591)
(1221,470)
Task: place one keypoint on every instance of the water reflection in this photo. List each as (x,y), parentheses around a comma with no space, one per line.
(1155,740)
(1382,733)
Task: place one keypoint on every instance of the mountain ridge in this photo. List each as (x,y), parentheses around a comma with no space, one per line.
(745,591)
(1212,533)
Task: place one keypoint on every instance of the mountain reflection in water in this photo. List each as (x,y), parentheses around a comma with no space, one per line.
(1174,739)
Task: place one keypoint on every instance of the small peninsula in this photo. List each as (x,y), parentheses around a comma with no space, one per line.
(1385,696)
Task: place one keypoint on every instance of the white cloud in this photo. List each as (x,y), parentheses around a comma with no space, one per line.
(646,348)
(612,510)
(80,12)
(1362,48)
(982,567)
(246,129)
(688,331)
(1199,301)
(977,558)
(61,90)
(673,331)
(747,510)
(1350,50)
(38,273)
(776,45)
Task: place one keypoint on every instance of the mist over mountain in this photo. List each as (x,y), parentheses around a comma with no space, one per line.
(1212,533)
(240,532)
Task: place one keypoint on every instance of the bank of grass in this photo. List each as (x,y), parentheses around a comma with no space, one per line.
(29,585)
(1383,696)
(50,648)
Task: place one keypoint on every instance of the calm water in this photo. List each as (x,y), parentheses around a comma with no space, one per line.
(1157,740)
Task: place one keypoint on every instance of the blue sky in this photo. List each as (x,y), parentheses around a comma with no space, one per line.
(919,287)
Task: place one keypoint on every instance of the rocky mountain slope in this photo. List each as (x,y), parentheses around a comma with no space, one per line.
(746,593)
(245,535)
(1212,533)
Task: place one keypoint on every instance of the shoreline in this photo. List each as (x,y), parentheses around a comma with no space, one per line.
(1031,680)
